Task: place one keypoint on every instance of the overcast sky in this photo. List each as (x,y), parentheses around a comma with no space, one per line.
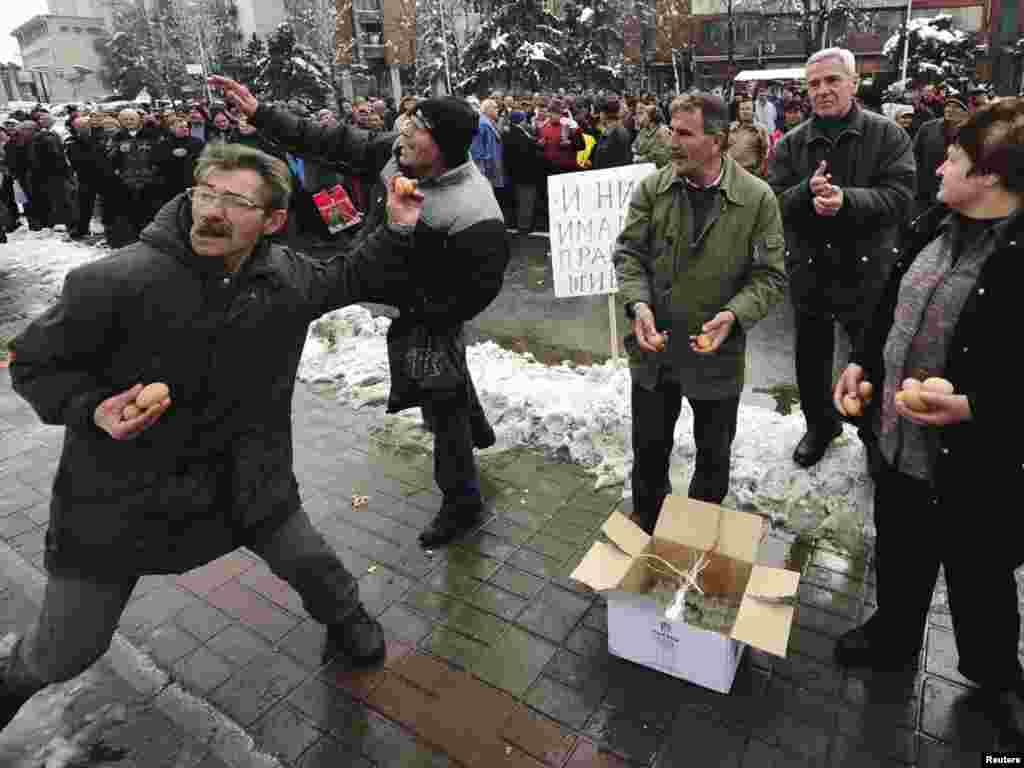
(14,13)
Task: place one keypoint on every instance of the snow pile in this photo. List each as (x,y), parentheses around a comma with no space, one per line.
(582,415)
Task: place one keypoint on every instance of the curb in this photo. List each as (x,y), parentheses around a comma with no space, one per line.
(226,739)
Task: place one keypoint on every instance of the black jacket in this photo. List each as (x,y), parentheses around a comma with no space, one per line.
(976,460)
(614,148)
(524,156)
(46,156)
(86,158)
(133,159)
(216,469)
(839,265)
(175,159)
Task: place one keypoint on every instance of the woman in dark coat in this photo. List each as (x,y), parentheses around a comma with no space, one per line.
(177,157)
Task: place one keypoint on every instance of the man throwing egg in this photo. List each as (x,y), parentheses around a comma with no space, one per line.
(699,261)
(942,426)
(213,318)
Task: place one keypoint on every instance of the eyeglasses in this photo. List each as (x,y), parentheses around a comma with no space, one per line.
(205,197)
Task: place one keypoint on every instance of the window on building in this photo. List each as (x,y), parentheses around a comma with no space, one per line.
(63,29)
(78,30)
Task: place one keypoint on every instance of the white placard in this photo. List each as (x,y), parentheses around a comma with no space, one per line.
(586,211)
(194,69)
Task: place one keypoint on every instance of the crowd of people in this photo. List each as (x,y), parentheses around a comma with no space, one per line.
(813,198)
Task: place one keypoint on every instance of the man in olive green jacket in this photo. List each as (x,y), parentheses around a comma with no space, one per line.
(699,261)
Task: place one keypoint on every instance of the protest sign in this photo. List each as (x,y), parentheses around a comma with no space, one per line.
(586,211)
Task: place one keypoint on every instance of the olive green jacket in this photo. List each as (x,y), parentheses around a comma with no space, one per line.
(737,264)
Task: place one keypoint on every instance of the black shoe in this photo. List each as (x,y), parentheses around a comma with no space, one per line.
(859,648)
(360,638)
(78,235)
(450,523)
(10,703)
(813,445)
(483,435)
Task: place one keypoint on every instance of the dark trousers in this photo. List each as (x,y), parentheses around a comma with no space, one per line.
(137,208)
(654,421)
(526,206)
(917,530)
(455,472)
(78,617)
(86,207)
(815,353)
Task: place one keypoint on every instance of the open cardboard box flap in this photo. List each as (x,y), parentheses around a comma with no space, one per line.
(696,524)
(762,624)
(603,567)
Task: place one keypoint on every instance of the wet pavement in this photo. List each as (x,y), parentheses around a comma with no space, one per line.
(496,657)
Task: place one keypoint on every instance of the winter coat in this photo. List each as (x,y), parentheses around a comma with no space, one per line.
(133,160)
(46,155)
(652,146)
(216,469)
(487,152)
(614,148)
(738,266)
(524,157)
(930,145)
(560,151)
(176,162)
(976,461)
(838,265)
(462,250)
(85,157)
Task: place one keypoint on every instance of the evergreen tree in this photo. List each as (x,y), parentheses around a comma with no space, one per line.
(938,52)
(519,44)
(291,70)
(432,46)
(315,23)
(593,45)
(127,55)
(173,47)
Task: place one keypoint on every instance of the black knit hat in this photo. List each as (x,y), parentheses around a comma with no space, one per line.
(452,122)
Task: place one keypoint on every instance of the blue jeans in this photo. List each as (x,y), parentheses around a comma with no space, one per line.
(78,617)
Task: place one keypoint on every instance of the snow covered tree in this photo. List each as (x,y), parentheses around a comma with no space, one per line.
(938,52)
(127,55)
(315,24)
(291,70)
(173,47)
(519,44)
(592,45)
(435,42)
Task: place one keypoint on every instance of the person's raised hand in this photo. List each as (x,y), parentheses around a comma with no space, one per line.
(109,415)
(235,93)
(830,202)
(403,207)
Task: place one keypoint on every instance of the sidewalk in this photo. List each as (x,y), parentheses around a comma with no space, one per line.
(496,658)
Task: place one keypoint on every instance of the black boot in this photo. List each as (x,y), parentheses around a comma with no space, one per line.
(452,521)
(360,638)
(814,443)
(870,645)
(11,698)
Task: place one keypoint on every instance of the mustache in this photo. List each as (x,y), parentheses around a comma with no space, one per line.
(207,228)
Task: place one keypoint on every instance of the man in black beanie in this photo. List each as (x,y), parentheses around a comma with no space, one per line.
(461,251)
(464,249)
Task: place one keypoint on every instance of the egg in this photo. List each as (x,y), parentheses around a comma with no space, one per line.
(865,390)
(152,394)
(703,342)
(852,405)
(404,186)
(912,399)
(658,340)
(909,384)
(131,411)
(938,385)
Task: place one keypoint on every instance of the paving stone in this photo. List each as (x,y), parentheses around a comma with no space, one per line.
(29,543)
(524,584)
(514,662)
(305,644)
(880,697)
(567,705)
(284,731)
(888,743)
(475,623)
(808,673)
(761,755)
(616,731)
(262,580)
(538,736)
(830,600)
(253,610)
(15,524)
(406,624)
(933,754)
(255,688)
(380,589)
(168,643)
(554,613)
(202,620)
(508,531)
(497,601)
(208,577)
(435,605)
(326,704)
(330,753)
(238,645)
(821,621)
(459,649)
(386,744)
(587,641)
(202,670)
(580,672)
(359,682)
(700,741)
(642,694)
(145,614)
(588,755)
(546,544)
(954,714)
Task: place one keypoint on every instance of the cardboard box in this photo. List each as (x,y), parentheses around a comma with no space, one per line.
(637,627)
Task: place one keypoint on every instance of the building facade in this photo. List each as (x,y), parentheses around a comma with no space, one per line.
(59,60)
(376,39)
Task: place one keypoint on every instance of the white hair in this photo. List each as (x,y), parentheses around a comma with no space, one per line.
(845,58)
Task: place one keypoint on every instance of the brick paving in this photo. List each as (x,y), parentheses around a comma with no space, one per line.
(495,657)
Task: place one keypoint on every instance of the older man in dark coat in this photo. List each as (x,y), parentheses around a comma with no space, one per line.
(845,181)
(204,304)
